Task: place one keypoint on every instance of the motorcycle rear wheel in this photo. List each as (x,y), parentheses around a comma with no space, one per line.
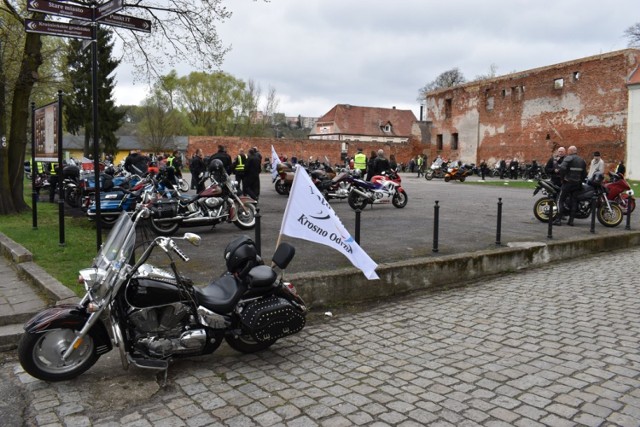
(108,220)
(447,178)
(281,188)
(245,218)
(356,201)
(245,343)
(163,228)
(609,218)
(72,197)
(41,355)
(542,207)
(400,199)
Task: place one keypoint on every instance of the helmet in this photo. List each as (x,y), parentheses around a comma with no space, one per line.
(241,256)
(216,165)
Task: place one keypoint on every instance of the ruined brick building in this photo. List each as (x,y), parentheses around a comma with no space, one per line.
(592,103)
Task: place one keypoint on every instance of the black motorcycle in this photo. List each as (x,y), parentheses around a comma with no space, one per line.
(154,315)
(593,193)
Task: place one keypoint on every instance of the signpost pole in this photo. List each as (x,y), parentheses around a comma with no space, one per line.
(96,143)
(59,172)
(34,169)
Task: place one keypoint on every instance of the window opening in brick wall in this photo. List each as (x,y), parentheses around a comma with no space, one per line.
(439,141)
(447,108)
(576,76)
(504,93)
(558,83)
(454,141)
(489,104)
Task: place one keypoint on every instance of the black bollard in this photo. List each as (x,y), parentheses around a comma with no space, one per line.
(499,224)
(358,212)
(628,224)
(552,206)
(258,233)
(594,207)
(436,221)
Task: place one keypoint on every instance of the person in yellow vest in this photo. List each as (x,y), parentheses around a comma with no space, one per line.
(420,165)
(175,162)
(53,180)
(360,162)
(238,167)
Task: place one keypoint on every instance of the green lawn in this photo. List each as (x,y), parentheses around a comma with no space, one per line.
(62,262)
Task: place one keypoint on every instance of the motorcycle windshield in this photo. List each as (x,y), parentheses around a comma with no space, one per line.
(119,244)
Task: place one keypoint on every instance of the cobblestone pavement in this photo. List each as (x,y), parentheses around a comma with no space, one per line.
(552,346)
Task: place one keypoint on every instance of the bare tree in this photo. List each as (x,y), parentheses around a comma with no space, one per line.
(182,30)
(633,34)
(450,78)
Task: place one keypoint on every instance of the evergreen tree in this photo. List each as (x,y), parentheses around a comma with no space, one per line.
(79,102)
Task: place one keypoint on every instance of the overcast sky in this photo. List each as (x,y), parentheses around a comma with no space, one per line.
(319,53)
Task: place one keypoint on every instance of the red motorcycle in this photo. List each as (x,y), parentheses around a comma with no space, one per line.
(618,190)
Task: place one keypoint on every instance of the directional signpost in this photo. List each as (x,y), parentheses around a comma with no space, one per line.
(105,13)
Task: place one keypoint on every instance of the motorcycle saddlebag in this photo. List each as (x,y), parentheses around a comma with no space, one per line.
(271,318)
(164,209)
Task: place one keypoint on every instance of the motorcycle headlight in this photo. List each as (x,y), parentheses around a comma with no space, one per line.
(630,192)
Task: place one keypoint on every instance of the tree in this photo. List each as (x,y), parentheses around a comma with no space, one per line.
(185,30)
(493,68)
(79,102)
(633,34)
(450,78)
(160,122)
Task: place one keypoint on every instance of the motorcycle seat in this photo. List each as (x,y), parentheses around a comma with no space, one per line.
(222,294)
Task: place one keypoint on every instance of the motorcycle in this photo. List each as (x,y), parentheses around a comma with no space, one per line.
(153,315)
(382,189)
(437,170)
(216,203)
(619,191)
(458,173)
(120,198)
(608,213)
(337,187)
(284,179)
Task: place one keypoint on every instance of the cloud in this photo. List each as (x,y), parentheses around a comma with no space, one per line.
(318,53)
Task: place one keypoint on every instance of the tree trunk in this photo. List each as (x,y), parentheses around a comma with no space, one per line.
(11,180)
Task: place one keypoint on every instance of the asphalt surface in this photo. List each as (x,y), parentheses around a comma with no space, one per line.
(554,346)
(468,217)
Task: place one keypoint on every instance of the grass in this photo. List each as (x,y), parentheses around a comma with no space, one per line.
(520,183)
(62,262)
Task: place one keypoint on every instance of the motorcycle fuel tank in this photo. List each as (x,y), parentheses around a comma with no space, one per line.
(212,191)
(152,288)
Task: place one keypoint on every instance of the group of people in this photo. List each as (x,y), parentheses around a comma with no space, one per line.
(375,164)
(568,170)
(245,167)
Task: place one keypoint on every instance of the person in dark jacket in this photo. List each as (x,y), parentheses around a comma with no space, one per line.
(197,167)
(136,163)
(514,167)
(370,165)
(573,171)
(251,182)
(552,168)
(224,157)
(380,164)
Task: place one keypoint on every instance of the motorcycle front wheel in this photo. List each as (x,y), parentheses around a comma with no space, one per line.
(609,217)
(447,178)
(356,201)
(108,220)
(245,218)
(163,228)
(281,188)
(626,203)
(428,175)
(245,343)
(183,185)
(72,197)
(41,355)
(400,199)
(543,207)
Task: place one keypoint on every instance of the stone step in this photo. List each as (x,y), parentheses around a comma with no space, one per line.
(10,336)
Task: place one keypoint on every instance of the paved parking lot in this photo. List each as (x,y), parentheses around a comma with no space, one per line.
(553,346)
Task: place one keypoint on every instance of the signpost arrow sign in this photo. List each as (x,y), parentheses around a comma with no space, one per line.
(108,8)
(59,29)
(60,9)
(129,22)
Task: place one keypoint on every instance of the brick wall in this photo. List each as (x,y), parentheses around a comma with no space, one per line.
(527,115)
(302,148)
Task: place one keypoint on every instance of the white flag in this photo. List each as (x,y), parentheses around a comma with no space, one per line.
(275,161)
(309,216)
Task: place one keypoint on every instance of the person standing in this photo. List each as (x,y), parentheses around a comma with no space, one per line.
(360,162)
(136,163)
(381,163)
(238,166)
(596,165)
(371,165)
(224,157)
(197,167)
(393,164)
(54,178)
(573,171)
(251,183)
(552,168)
(502,168)
(483,169)
(420,165)
(514,167)
(620,169)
